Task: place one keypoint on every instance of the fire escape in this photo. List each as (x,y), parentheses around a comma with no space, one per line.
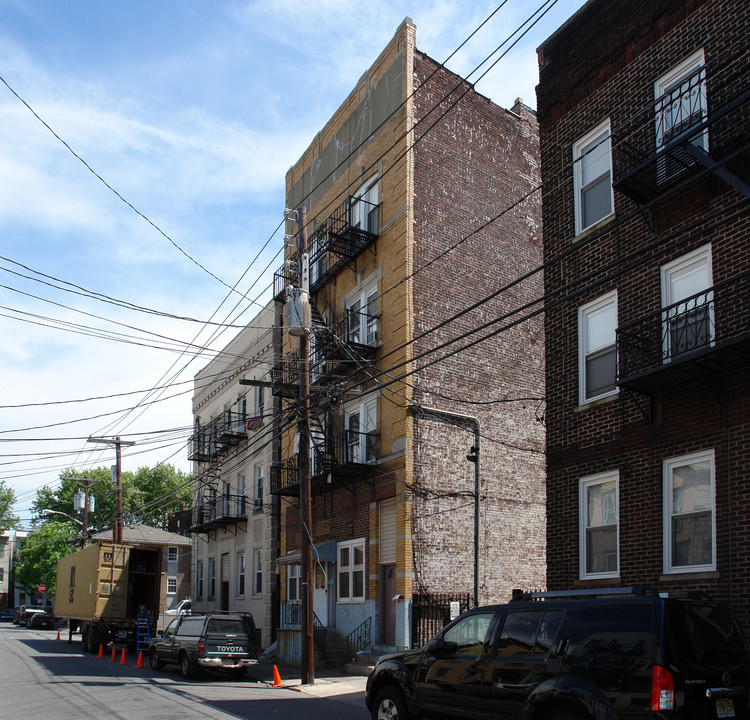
(700,128)
(339,451)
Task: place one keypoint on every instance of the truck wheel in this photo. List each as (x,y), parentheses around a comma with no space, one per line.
(389,705)
(154,661)
(186,667)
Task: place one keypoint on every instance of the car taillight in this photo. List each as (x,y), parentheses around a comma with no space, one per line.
(662,689)
(201,645)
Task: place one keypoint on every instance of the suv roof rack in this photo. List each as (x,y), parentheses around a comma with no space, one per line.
(608,592)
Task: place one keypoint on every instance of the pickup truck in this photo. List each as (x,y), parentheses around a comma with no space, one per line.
(218,640)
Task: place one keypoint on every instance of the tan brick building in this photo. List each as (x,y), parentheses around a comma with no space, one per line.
(416,357)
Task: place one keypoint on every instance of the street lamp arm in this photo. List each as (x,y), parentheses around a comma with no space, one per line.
(58,512)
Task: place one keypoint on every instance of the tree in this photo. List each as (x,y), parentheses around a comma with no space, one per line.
(148,496)
(37,559)
(7,499)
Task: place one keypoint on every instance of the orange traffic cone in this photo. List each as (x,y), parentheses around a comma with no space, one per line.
(58,634)
(139,664)
(122,658)
(101,652)
(113,658)
(277,678)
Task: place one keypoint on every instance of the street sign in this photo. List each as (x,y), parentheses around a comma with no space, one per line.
(42,588)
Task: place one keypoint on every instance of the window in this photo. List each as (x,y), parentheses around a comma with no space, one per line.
(240,573)
(211,577)
(364,208)
(681,105)
(351,569)
(292,582)
(687,300)
(199,580)
(597,349)
(467,637)
(260,402)
(318,254)
(598,514)
(226,498)
(361,438)
(241,494)
(172,554)
(171,585)
(689,522)
(241,413)
(257,571)
(2,574)
(592,177)
(362,318)
(528,633)
(258,489)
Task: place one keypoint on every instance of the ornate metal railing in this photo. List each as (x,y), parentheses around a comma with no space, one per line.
(358,639)
(218,511)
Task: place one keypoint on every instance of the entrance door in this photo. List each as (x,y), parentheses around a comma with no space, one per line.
(388,604)
(320,592)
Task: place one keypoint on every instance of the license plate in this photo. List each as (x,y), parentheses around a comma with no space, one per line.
(724,707)
(122,634)
(230,661)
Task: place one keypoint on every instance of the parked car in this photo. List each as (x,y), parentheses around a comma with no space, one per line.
(612,653)
(24,612)
(42,620)
(7,615)
(224,641)
(181,608)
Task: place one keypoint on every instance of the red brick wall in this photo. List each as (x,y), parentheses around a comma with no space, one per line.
(475,162)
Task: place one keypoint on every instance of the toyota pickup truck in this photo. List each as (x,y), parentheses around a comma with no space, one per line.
(218,640)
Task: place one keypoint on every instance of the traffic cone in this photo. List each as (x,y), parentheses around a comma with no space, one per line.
(277,678)
(58,634)
(101,652)
(113,658)
(122,658)
(139,664)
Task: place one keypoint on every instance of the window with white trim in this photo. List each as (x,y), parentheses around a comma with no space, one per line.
(241,489)
(240,573)
(292,582)
(362,317)
(211,577)
(687,299)
(199,580)
(592,177)
(599,525)
(172,554)
(690,513)
(257,571)
(351,571)
(260,402)
(361,432)
(597,348)
(171,585)
(364,207)
(258,488)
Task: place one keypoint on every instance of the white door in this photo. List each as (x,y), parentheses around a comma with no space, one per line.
(320,591)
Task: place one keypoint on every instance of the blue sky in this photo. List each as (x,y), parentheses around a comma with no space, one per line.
(192,112)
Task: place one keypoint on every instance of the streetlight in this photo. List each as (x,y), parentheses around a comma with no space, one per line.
(59,512)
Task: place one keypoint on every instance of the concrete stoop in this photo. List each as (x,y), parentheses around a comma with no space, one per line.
(365,660)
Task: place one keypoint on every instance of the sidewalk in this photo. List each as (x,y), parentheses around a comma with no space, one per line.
(332,684)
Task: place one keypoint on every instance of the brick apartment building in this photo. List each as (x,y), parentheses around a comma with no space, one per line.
(403,188)
(644,129)
(232,521)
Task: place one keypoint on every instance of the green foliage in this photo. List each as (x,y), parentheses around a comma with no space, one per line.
(7,499)
(148,496)
(37,559)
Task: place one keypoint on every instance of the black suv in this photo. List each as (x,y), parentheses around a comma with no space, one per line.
(223,641)
(585,655)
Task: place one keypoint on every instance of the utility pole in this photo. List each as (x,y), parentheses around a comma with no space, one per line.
(307,580)
(86,504)
(118,443)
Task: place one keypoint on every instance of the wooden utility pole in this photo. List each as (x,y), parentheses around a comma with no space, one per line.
(307,580)
(118,443)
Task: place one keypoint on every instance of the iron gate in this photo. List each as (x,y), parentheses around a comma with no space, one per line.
(430,612)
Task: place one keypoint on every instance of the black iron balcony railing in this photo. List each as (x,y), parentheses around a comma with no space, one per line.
(669,345)
(223,432)
(700,123)
(218,512)
(285,375)
(342,237)
(338,455)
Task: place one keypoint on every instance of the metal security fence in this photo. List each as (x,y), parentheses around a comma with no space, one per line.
(430,612)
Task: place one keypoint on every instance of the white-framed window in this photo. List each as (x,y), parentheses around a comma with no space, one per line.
(241,412)
(199,579)
(592,177)
(318,254)
(351,571)
(226,498)
(687,319)
(599,525)
(172,554)
(361,422)
(364,208)
(260,402)
(597,348)
(211,577)
(690,513)
(292,582)
(240,573)
(241,499)
(171,585)
(362,317)
(681,104)
(258,488)
(257,571)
